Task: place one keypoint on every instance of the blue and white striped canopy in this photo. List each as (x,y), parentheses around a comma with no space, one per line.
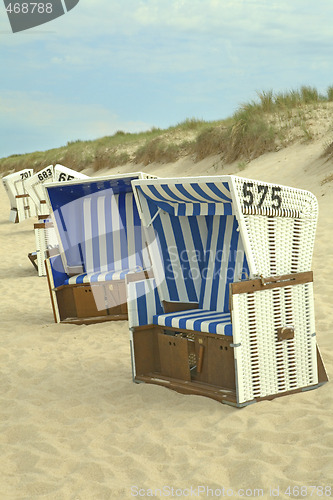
(189,198)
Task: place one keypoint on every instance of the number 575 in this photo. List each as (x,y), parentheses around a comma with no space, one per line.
(263,190)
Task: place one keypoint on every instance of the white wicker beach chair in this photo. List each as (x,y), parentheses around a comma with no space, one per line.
(45,235)
(229,313)
(21,207)
(101,241)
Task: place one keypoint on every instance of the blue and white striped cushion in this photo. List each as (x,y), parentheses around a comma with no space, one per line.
(98,277)
(199,320)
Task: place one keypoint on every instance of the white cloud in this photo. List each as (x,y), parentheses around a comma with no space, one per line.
(237,18)
(155,36)
(43,115)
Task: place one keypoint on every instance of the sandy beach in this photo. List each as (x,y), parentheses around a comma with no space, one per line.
(75,427)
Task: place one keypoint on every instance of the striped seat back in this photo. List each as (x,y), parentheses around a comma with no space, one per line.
(195,257)
(225,263)
(179,255)
(112,235)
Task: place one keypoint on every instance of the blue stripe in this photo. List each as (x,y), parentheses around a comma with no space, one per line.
(123,230)
(227,209)
(197,208)
(73,256)
(183,191)
(172,195)
(211,324)
(79,279)
(139,240)
(197,242)
(154,191)
(245,270)
(228,330)
(217,265)
(109,276)
(109,235)
(181,209)
(164,251)
(93,278)
(213,187)
(58,272)
(185,265)
(141,303)
(208,220)
(166,206)
(231,262)
(94,219)
(204,271)
(202,193)
(158,305)
(58,214)
(212,327)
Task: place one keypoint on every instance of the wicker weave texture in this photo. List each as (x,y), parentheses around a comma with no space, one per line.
(45,239)
(280,224)
(265,365)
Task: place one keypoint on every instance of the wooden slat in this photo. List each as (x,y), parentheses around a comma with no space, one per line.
(223,395)
(139,276)
(33,258)
(256,285)
(94,319)
(43,225)
(22,195)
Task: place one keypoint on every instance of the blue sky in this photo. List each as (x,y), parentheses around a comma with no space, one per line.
(133,64)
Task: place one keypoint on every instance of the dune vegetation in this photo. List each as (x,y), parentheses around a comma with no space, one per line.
(270,122)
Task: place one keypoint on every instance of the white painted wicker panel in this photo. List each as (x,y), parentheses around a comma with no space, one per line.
(266,366)
(271,240)
(280,239)
(45,238)
(294,202)
(25,208)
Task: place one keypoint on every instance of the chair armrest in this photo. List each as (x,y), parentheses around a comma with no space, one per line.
(175,306)
(143,302)
(259,284)
(142,274)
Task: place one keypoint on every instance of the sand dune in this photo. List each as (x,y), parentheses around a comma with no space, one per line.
(74,426)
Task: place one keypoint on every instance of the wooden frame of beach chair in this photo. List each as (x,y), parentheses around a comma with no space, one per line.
(45,235)
(21,207)
(101,240)
(229,313)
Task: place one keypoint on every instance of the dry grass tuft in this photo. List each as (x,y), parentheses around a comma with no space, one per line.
(159,151)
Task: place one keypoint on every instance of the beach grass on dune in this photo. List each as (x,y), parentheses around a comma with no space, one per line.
(261,125)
